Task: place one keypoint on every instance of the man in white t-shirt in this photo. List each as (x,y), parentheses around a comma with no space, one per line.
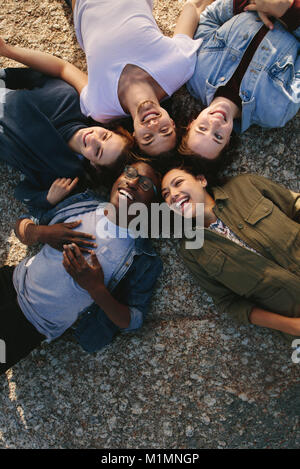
(132,66)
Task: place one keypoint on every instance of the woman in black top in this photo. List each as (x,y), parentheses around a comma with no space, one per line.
(44,135)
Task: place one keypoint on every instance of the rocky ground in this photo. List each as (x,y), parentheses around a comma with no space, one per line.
(189,378)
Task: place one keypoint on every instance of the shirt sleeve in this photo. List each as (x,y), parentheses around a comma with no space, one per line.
(216,14)
(140,293)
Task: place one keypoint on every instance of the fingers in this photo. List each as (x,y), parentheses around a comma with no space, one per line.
(66,184)
(80,234)
(68,251)
(263,16)
(265,19)
(94,260)
(73,183)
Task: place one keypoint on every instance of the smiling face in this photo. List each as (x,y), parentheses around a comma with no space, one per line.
(100,146)
(154,130)
(210,132)
(181,191)
(127,191)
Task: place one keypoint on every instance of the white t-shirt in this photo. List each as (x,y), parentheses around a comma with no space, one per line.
(114,33)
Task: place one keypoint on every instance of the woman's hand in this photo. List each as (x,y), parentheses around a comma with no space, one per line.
(60,189)
(61,234)
(266,8)
(4,48)
(89,276)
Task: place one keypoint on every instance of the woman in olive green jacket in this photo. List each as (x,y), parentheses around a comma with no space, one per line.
(250,260)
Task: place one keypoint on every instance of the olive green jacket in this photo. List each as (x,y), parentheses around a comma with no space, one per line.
(266,216)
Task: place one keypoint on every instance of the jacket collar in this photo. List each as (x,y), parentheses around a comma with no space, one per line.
(144,246)
(219,193)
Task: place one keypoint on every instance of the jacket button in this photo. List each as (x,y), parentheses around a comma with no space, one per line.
(222,79)
(240,226)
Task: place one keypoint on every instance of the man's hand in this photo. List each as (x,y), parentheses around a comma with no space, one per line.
(266,8)
(60,189)
(61,234)
(55,235)
(88,275)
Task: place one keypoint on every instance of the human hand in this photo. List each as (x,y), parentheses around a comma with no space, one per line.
(200,5)
(60,189)
(63,233)
(4,48)
(89,276)
(266,8)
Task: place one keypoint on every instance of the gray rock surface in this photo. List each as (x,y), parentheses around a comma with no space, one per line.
(190,378)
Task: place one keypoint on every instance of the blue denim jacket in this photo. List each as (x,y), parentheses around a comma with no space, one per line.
(270,89)
(132,283)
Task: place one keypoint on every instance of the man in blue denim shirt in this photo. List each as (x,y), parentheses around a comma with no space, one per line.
(44,295)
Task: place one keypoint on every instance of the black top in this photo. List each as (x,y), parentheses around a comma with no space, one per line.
(35,126)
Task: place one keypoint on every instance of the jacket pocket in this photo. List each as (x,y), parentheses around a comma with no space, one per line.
(234,272)
(277,300)
(261,210)
(283,71)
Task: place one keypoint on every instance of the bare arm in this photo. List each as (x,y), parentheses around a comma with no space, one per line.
(189,18)
(46,63)
(263,318)
(55,235)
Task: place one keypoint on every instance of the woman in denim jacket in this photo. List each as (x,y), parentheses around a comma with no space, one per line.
(246,73)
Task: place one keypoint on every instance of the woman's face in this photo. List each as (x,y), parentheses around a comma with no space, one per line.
(182,191)
(100,146)
(210,132)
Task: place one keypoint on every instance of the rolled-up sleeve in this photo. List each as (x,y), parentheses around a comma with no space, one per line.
(140,291)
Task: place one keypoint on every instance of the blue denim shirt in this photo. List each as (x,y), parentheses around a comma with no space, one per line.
(132,283)
(270,88)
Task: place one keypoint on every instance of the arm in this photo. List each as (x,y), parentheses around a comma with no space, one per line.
(90,277)
(276,9)
(239,308)
(55,235)
(263,318)
(46,63)
(189,18)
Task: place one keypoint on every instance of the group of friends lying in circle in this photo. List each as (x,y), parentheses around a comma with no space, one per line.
(241,60)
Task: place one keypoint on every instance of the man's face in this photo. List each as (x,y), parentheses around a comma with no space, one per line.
(127,191)
(154,130)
